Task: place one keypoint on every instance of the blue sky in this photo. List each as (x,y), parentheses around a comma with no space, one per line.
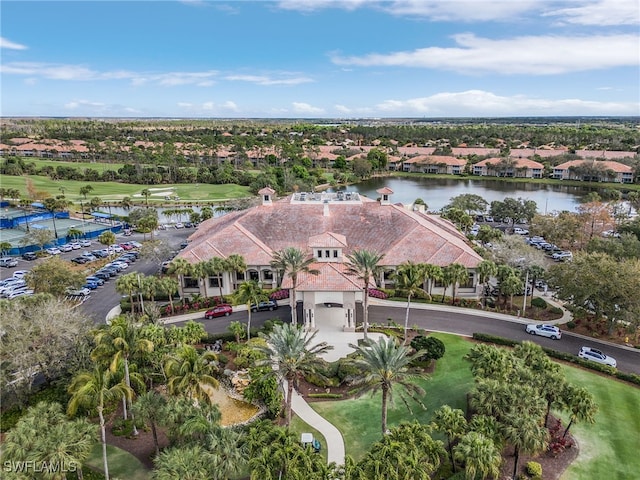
(320,58)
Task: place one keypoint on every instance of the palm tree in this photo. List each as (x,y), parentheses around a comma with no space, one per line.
(365,264)
(190,373)
(120,342)
(250,293)
(409,278)
(456,274)
(169,286)
(44,435)
(128,285)
(480,456)
(579,401)
(486,270)
(293,261)
(94,390)
(192,462)
(216,266)
(452,423)
(54,205)
(525,433)
(180,268)
(146,193)
(383,365)
(290,350)
(432,273)
(149,408)
(235,263)
(126,203)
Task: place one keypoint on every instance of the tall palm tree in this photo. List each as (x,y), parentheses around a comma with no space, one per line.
(293,261)
(169,286)
(128,285)
(235,263)
(409,278)
(383,365)
(95,390)
(432,273)
(148,408)
(581,405)
(201,271)
(480,456)
(190,462)
(365,264)
(180,268)
(250,293)
(525,433)
(121,341)
(146,193)
(453,424)
(456,274)
(290,350)
(486,270)
(216,266)
(190,373)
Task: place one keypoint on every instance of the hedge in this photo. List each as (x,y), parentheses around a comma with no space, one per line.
(567,357)
(325,395)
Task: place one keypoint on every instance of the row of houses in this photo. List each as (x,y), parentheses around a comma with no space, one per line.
(592,166)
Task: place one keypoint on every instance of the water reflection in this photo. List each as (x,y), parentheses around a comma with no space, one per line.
(437,192)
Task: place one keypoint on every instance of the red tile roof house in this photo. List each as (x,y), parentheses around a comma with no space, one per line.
(509,167)
(328,227)
(594,171)
(438,164)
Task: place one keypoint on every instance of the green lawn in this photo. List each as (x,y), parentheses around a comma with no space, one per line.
(359,420)
(610,448)
(115,191)
(299,427)
(99,166)
(121,463)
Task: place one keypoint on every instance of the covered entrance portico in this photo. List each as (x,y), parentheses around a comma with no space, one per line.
(329,311)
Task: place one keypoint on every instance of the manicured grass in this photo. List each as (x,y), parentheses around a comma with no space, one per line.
(115,191)
(99,166)
(121,463)
(610,447)
(359,420)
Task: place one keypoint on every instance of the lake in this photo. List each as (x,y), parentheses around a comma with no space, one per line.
(438,192)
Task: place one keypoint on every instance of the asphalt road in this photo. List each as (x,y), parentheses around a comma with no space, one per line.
(105,298)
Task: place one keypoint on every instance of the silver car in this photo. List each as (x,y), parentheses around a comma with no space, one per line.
(598,356)
(550,331)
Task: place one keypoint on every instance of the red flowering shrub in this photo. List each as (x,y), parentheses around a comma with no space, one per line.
(375,293)
(279,294)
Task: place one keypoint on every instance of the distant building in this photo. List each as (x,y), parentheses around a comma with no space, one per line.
(509,167)
(594,171)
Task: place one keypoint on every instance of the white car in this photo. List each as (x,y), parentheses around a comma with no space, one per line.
(116,248)
(75,246)
(520,231)
(19,293)
(66,247)
(562,256)
(179,225)
(598,356)
(20,273)
(80,292)
(550,331)
(85,243)
(53,251)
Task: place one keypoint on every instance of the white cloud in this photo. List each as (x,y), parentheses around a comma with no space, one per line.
(483,103)
(301,107)
(229,105)
(531,55)
(8,44)
(313,5)
(462,10)
(172,79)
(342,109)
(600,13)
(265,80)
(75,104)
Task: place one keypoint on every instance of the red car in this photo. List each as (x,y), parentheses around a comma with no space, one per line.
(223,310)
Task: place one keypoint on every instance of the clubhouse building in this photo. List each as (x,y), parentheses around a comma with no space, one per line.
(328,227)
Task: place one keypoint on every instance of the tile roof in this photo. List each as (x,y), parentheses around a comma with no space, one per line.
(328,239)
(606,164)
(399,233)
(331,277)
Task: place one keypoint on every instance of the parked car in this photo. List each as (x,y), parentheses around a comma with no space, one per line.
(562,256)
(77,292)
(222,310)
(550,331)
(262,306)
(80,260)
(90,285)
(95,279)
(19,293)
(179,225)
(520,231)
(20,274)
(8,262)
(29,256)
(75,246)
(116,248)
(85,243)
(598,356)
(188,225)
(53,251)
(162,226)
(66,247)
(104,276)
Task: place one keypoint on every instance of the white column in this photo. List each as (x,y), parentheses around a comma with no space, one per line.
(312,318)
